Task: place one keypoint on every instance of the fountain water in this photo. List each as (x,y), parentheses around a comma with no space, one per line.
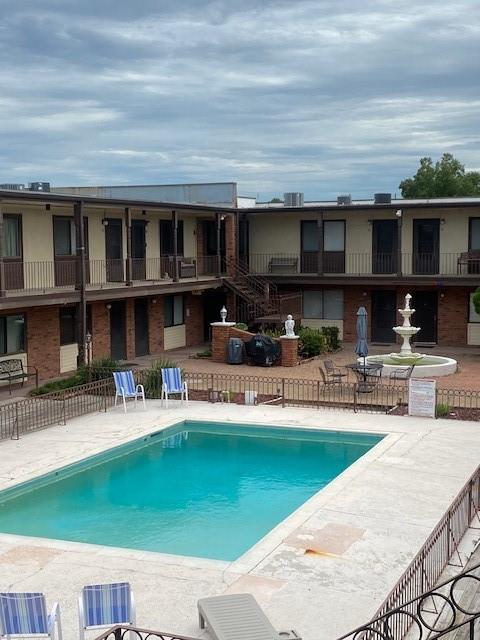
(425,366)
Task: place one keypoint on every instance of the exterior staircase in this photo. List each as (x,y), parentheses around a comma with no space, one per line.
(260,300)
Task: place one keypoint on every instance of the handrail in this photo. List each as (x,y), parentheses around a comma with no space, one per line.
(120,632)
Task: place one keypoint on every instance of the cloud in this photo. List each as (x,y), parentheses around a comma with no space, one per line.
(331,97)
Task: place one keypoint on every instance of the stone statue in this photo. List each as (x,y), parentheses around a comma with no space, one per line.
(290,327)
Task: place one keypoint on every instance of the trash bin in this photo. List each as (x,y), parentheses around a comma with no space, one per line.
(235,351)
(263,350)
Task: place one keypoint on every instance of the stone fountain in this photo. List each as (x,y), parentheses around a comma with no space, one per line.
(425,366)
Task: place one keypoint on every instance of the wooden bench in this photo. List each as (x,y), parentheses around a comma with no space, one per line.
(470,260)
(283,265)
(13,369)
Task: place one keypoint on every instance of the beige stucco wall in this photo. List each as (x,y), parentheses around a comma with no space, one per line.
(274,234)
(315,323)
(189,237)
(174,337)
(473,333)
(68,357)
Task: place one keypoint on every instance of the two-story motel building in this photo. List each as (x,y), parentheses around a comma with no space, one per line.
(143,277)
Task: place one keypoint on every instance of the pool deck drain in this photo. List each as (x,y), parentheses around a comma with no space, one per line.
(322,571)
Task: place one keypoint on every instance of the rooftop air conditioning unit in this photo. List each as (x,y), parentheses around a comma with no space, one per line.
(382,198)
(39,186)
(346,199)
(293,199)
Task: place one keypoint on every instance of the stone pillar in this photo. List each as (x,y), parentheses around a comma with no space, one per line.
(289,347)
(220,337)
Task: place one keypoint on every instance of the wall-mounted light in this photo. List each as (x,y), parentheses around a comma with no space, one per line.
(108,306)
(370,222)
(47,207)
(399,213)
(105,222)
(222,217)
(442,220)
(442,295)
(153,301)
(364,294)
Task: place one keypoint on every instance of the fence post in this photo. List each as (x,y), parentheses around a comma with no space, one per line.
(105,396)
(283,392)
(64,409)
(318,394)
(16,422)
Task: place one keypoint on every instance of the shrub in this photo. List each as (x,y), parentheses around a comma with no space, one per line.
(332,338)
(272,333)
(241,325)
(57,385)
(98,369)
(442,409)
(152,377)
(312,342)
(204,354)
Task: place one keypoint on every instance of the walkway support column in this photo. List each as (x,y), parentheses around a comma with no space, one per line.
(320,244)
(399,242)
(175,245)
(218,227)
(128,226)
(80,281)
(2,253)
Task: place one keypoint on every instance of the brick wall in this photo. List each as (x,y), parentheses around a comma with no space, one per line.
(156,326)
(194,322)
(130,327)
(353,298)
(100,330)
(43,341)
(453,316)
(221,336)
(230,243)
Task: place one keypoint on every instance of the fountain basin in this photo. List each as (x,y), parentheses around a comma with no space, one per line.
(428,366)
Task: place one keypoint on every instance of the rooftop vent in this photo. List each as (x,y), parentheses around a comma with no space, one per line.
(346,199)
(293,199)
(39,186)
(382,198)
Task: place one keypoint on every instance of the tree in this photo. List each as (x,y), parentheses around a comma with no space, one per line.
(476,300)
(447,178)
(275,201)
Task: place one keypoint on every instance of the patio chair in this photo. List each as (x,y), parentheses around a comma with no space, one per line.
(125,388)
(333,372)
(25,614)
(329,381)
(402,374)
(104,605)
(237,615)
(172,383)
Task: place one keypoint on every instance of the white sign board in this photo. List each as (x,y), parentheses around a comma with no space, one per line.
(421,397)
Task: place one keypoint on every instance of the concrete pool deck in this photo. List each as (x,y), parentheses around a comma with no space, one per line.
(322,571)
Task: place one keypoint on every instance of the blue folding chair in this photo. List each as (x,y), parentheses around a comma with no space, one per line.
(25,614)
(125,387)
(105,605)
(172,383)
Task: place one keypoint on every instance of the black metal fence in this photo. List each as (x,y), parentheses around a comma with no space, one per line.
(120,632)
(37,412)
(414,601)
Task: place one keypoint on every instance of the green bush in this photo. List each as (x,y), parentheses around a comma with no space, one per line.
(204,354)
(57,385)
(98,369)
(442,410)
(241,325)
(152,377)
(272,333)
(332,338)
(312,342)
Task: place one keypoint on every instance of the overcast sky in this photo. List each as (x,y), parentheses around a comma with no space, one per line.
(325,97)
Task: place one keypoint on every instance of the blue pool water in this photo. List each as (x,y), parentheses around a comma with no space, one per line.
(197,489)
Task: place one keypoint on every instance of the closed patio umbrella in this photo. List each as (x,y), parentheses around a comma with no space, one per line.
(361,346)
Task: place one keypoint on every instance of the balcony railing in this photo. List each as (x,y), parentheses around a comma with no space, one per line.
(366,264)
(46,276)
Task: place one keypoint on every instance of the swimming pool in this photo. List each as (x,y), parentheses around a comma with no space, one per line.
(198,489)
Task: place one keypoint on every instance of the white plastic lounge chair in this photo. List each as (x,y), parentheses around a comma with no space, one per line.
(237,615)
(104,605)
(125,388)
(25,614)
(172,383)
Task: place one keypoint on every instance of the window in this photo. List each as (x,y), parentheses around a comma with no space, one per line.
(309,233)
(174,312)
(326,304)
(473,316)
(68,325)
(13,236)
(334,235)
(166,238)
(12,334)
(474,239)
(64,236)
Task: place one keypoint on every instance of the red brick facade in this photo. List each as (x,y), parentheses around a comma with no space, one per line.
(43,341)
(194,322)
(100,330)
(130,327)
(453,306)
(230,241)
(156,325)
